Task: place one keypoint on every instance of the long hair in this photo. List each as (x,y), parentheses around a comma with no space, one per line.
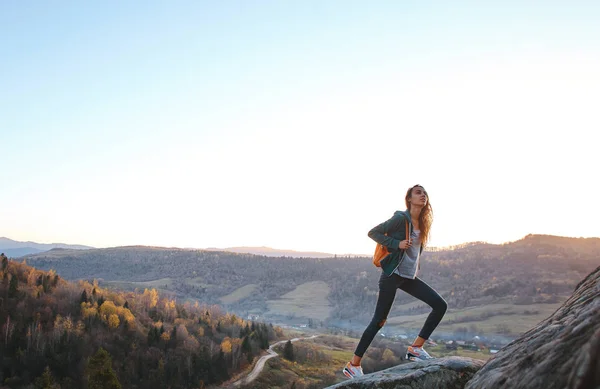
(425,217)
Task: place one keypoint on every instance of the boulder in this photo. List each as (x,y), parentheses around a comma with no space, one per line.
(442,373)
(562,351)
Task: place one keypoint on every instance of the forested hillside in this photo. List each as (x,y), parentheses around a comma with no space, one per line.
(60,334)
(535,270)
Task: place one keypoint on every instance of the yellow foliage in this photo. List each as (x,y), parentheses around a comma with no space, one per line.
(108,308)
(87,310)
(68,324)
(80,328)
(113,320)
(226,345)
(165,336)
(128,317)
(151,297)
(118,299)
(170,304)
(201,331)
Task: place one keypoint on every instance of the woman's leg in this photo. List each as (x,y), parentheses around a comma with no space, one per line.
(387,293)
(419,289)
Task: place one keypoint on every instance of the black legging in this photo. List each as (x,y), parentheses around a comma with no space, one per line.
(387,292)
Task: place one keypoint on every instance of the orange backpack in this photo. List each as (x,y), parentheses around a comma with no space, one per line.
(381,251)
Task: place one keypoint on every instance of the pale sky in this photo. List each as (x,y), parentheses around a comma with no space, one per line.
(296,124)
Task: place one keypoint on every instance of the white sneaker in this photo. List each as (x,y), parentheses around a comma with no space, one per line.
(417,354)
(352,371)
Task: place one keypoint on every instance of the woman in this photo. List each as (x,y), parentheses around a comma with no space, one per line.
(399,271)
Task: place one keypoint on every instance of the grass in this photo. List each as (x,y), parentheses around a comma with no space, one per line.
(162,284)
(239,294)
(307,300)
(440,351)
(322,373)
(197,281)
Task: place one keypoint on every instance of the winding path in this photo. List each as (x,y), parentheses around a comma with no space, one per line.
(261,362)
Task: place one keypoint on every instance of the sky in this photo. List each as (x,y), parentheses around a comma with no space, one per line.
(296,124)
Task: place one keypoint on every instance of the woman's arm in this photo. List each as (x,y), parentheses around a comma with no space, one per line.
(378,232)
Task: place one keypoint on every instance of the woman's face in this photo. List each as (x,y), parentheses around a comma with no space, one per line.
(418,196)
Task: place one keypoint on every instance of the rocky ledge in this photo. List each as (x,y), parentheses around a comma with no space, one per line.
(449,372)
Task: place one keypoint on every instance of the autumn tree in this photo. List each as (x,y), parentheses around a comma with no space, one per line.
(113,321)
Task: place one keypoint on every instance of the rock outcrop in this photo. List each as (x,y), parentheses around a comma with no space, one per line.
(562,351)
(446,373)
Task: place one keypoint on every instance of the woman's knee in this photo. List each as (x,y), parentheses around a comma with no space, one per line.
(441,306)
(377,323)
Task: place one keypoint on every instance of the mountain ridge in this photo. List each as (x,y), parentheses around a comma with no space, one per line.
(481,283)
(8,245)
(15,248)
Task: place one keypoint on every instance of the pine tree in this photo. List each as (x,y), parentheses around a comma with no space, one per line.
(100,373)
(288,351)
(84,297)
(153,336)
(221,367)
(173,338)
(45,381)
(126,305)
(13,287)
(4,261)
(45,283)
(246,348)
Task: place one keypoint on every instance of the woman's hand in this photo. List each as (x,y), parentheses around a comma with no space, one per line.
(404,244)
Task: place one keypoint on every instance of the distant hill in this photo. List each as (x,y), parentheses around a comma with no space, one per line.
(16,253)
(482,283)
(15,249)
(271,252)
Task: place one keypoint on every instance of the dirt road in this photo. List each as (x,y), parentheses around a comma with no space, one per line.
(261,362)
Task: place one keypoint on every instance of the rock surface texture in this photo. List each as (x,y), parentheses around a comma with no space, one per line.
(443,373)
(562,351)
